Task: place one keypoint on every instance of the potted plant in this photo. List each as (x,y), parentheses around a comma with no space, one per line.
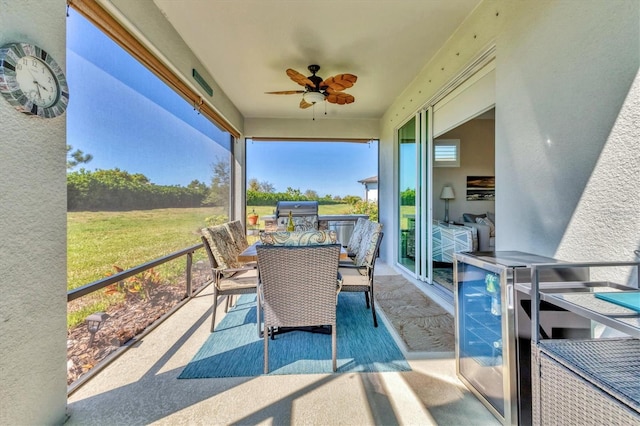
(252,218)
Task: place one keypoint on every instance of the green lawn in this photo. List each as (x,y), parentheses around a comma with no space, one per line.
(96,241)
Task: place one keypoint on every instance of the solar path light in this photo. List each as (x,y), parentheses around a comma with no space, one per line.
(94,322)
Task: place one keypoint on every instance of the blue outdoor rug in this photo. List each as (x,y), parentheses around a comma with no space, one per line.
(235,350)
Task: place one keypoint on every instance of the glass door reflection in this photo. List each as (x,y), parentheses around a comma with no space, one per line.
(407,178)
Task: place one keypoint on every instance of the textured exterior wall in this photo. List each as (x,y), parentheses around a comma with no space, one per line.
(567,138)
(33,383)
(567,157)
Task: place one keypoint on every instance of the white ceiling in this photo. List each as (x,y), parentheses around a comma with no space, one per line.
(247,45)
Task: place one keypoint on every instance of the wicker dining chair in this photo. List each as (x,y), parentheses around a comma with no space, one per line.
(230,277)
(358,276)
(297,288)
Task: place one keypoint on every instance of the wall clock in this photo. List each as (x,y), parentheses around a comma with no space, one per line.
(32,81)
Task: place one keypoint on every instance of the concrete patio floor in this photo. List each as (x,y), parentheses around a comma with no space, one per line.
(141,387)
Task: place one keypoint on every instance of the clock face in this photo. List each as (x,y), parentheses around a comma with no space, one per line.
(36,81)
(32,81)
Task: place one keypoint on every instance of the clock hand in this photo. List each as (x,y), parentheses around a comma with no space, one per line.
(35,80)
(38,87)
(38,84)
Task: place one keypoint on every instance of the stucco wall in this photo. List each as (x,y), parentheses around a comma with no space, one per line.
(567,157)
(33,306)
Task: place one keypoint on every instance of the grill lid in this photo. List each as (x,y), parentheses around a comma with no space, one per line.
(297,208)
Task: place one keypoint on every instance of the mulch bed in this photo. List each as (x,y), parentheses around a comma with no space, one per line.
(126,320)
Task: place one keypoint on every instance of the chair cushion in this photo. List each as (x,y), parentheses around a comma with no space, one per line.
(368,244)
(354,279)
(353,246)
(238,235)
(247,279)
(223,248)
(296,238)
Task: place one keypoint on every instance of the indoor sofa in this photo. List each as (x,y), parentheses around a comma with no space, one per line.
(483,223)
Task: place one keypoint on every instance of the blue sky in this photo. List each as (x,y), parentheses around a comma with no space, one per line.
(328,168)
(128,119)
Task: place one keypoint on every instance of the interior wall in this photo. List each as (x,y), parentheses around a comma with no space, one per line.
(33,209)
(477,158)
(567,158)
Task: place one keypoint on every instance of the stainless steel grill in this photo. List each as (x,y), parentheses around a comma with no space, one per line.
(297,208)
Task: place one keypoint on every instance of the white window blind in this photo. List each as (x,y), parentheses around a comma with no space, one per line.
(446,153)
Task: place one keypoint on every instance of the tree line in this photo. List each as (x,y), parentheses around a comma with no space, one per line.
(116,190)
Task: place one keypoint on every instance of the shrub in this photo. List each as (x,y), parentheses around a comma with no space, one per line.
(137,286)
(363,207)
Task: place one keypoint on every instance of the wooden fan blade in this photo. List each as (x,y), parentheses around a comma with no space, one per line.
(299,78)
(304,104)
(340,82)
(340,98)
(285,92)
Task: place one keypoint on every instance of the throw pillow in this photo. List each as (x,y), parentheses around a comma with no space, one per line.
(486,221)
(298,238)
(470,217)
(491,216)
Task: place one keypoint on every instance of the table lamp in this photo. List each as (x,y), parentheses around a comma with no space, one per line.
(446,195)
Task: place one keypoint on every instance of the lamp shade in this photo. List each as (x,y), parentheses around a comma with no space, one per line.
(313,97)
(447,193)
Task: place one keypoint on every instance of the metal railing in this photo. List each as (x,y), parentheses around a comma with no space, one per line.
(112,279)
(102,283)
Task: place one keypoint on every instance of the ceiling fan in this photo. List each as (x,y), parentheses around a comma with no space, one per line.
(317,90)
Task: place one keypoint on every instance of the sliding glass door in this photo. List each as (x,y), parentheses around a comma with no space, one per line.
(408,173)
(413,203)
(473,96)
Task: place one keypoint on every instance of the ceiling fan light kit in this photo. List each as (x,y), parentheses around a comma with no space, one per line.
(313,97)
(318,90)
